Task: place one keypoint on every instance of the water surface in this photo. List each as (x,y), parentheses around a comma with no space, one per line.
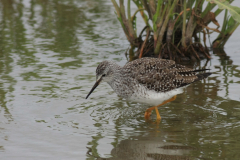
(49,51)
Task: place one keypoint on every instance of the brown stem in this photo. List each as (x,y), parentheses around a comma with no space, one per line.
(177,49)
(195,52)
(159,56)
(143,45)
(146,6)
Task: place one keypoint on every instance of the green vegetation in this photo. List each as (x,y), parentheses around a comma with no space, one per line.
(173,27)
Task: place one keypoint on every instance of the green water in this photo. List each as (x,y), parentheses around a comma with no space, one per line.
(49,51)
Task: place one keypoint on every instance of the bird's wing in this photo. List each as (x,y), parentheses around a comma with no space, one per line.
(160,75)
(147,62)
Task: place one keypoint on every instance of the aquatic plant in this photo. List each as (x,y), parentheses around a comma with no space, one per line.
(173,27)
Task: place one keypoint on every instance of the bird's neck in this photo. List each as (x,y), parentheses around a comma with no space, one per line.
(116,72)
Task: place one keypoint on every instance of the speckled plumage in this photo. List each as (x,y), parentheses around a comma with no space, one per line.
(147,80)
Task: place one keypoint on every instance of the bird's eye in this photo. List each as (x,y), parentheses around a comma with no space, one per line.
(104,75)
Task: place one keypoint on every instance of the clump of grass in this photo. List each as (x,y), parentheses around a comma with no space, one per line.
(176,25)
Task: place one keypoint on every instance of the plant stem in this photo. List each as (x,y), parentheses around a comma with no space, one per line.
(165,23)
(116,7)
(129,9)
(146,6)
(184,24)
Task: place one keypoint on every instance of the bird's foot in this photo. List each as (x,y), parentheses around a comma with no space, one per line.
(147,114)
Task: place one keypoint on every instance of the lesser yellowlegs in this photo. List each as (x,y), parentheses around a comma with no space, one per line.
(147,80)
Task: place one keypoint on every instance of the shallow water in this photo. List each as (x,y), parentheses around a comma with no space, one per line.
(49,51)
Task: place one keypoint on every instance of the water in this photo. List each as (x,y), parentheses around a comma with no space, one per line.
(49,51)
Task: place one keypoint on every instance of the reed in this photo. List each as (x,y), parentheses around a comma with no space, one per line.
(177,29)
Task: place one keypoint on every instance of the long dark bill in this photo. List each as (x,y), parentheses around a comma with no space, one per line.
(95,86)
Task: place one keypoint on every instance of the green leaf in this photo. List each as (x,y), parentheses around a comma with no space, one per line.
(154,27)
(155,16)
(235,13)
(231,22)
(233,10)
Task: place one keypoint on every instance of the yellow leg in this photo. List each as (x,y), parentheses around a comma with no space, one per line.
(158,115)
(148,112)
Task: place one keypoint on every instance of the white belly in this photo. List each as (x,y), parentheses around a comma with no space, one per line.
(154,98)
(138,93)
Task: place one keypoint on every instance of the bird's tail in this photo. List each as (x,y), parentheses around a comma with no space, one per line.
(202,76)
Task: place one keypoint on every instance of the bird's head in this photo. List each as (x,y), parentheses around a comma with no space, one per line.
(104,73)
